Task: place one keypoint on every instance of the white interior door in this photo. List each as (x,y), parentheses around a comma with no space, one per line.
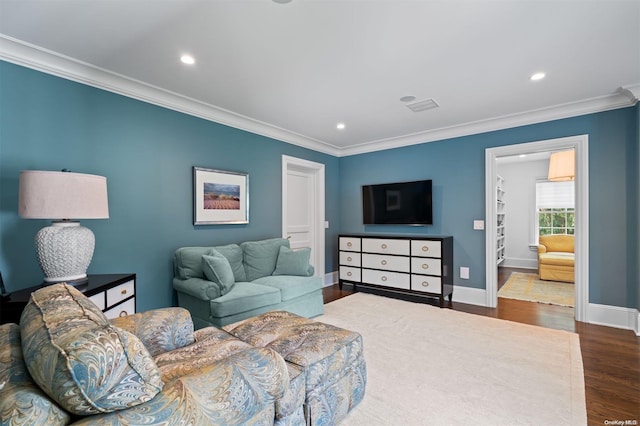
(303,207)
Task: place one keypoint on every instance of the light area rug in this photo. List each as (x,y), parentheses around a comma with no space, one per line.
(432,366)
(530,288)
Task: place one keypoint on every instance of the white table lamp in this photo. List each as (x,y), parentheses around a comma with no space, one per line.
(65,248)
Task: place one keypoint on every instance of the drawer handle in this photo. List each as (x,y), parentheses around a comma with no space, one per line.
(384,262)
(349,244)
(349,259)
(425,284)
(384,246)
(123,292)
(348,274)
(425,266)
(425,248)
(384,278)
(123,313)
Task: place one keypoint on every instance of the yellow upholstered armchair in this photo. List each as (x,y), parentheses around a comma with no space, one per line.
(556,258)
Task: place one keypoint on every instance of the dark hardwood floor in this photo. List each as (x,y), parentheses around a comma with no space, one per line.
(610,356)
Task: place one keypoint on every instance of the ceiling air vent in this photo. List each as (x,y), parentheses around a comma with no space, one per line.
(422,105)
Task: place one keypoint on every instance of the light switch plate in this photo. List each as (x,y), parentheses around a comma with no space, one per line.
(478,224)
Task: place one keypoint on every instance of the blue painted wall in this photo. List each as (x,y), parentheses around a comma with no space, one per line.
(457,169)
(147,154)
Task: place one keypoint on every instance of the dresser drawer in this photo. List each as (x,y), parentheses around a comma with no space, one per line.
(426,248)
(119,293)
(426,283)
(426,265)
(387,279)
(388,263)
(349,258)
(98,300)
(349,274)
(349,243)
(123,309)
(383,246)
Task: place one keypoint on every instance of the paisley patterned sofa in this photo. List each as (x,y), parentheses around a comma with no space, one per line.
(66,363)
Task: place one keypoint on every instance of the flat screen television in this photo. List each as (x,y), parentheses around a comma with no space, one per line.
(402,203)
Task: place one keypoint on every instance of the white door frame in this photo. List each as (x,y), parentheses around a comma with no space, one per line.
(581,145)
(317,172)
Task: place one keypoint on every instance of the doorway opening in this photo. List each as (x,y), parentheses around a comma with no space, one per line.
(580,145)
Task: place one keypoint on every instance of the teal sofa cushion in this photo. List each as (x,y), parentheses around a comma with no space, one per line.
(233,253)
(21,401)
(243,297)
(293,262)
(79,359)
(217,269)
(291,286)
(260,256)
(187,262)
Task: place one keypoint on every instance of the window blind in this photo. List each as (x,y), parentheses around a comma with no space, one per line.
(555,195)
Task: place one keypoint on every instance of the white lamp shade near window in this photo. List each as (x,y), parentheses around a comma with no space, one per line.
(65,248)
(562,166)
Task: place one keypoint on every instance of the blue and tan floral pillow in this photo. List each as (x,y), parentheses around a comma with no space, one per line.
(79,359)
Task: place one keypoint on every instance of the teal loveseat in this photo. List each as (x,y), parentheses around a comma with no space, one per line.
(223,284)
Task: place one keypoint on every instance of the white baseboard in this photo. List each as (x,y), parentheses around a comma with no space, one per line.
(514,262)
(330,279)
(614,316)
(471,296)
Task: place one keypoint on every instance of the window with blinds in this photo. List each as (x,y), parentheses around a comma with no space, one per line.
(555,207)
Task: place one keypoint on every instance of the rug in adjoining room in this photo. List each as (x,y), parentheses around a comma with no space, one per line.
(531,288)
(433,366)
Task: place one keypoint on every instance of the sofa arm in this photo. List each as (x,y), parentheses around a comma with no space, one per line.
(542,249)
(239,389)
(160,330)
(198,288)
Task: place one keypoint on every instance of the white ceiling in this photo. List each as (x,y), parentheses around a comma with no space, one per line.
(293,71)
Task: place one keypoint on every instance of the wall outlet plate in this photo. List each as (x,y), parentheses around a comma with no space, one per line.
(478,224)
(464,273)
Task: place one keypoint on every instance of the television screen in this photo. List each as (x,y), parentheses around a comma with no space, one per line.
(402,203)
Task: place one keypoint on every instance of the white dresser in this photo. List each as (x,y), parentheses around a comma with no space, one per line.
(402,266)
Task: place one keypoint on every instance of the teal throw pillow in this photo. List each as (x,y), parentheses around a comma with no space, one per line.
(292,262)
(217,269)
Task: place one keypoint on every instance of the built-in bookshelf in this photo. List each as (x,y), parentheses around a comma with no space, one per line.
(500,219)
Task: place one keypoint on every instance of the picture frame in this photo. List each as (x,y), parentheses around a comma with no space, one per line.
(220,197)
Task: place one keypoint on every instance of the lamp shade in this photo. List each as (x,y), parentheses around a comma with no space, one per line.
(62,195)
(562,166)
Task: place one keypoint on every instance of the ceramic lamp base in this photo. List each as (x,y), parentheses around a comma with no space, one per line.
(65,250)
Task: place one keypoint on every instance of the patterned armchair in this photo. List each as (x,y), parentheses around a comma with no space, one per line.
(66,363)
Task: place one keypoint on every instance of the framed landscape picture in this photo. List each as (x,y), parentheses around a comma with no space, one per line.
(220,197)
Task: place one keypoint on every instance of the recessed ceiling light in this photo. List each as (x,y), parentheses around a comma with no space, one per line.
(522,155)
(537,76)
(407,98)
(340,126)
(187,59)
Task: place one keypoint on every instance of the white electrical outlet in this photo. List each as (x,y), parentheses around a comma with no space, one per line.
(478,224)
(464,273)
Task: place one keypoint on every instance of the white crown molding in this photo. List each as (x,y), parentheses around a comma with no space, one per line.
(632,92)
(40,59)
(37,58)
(589,106)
